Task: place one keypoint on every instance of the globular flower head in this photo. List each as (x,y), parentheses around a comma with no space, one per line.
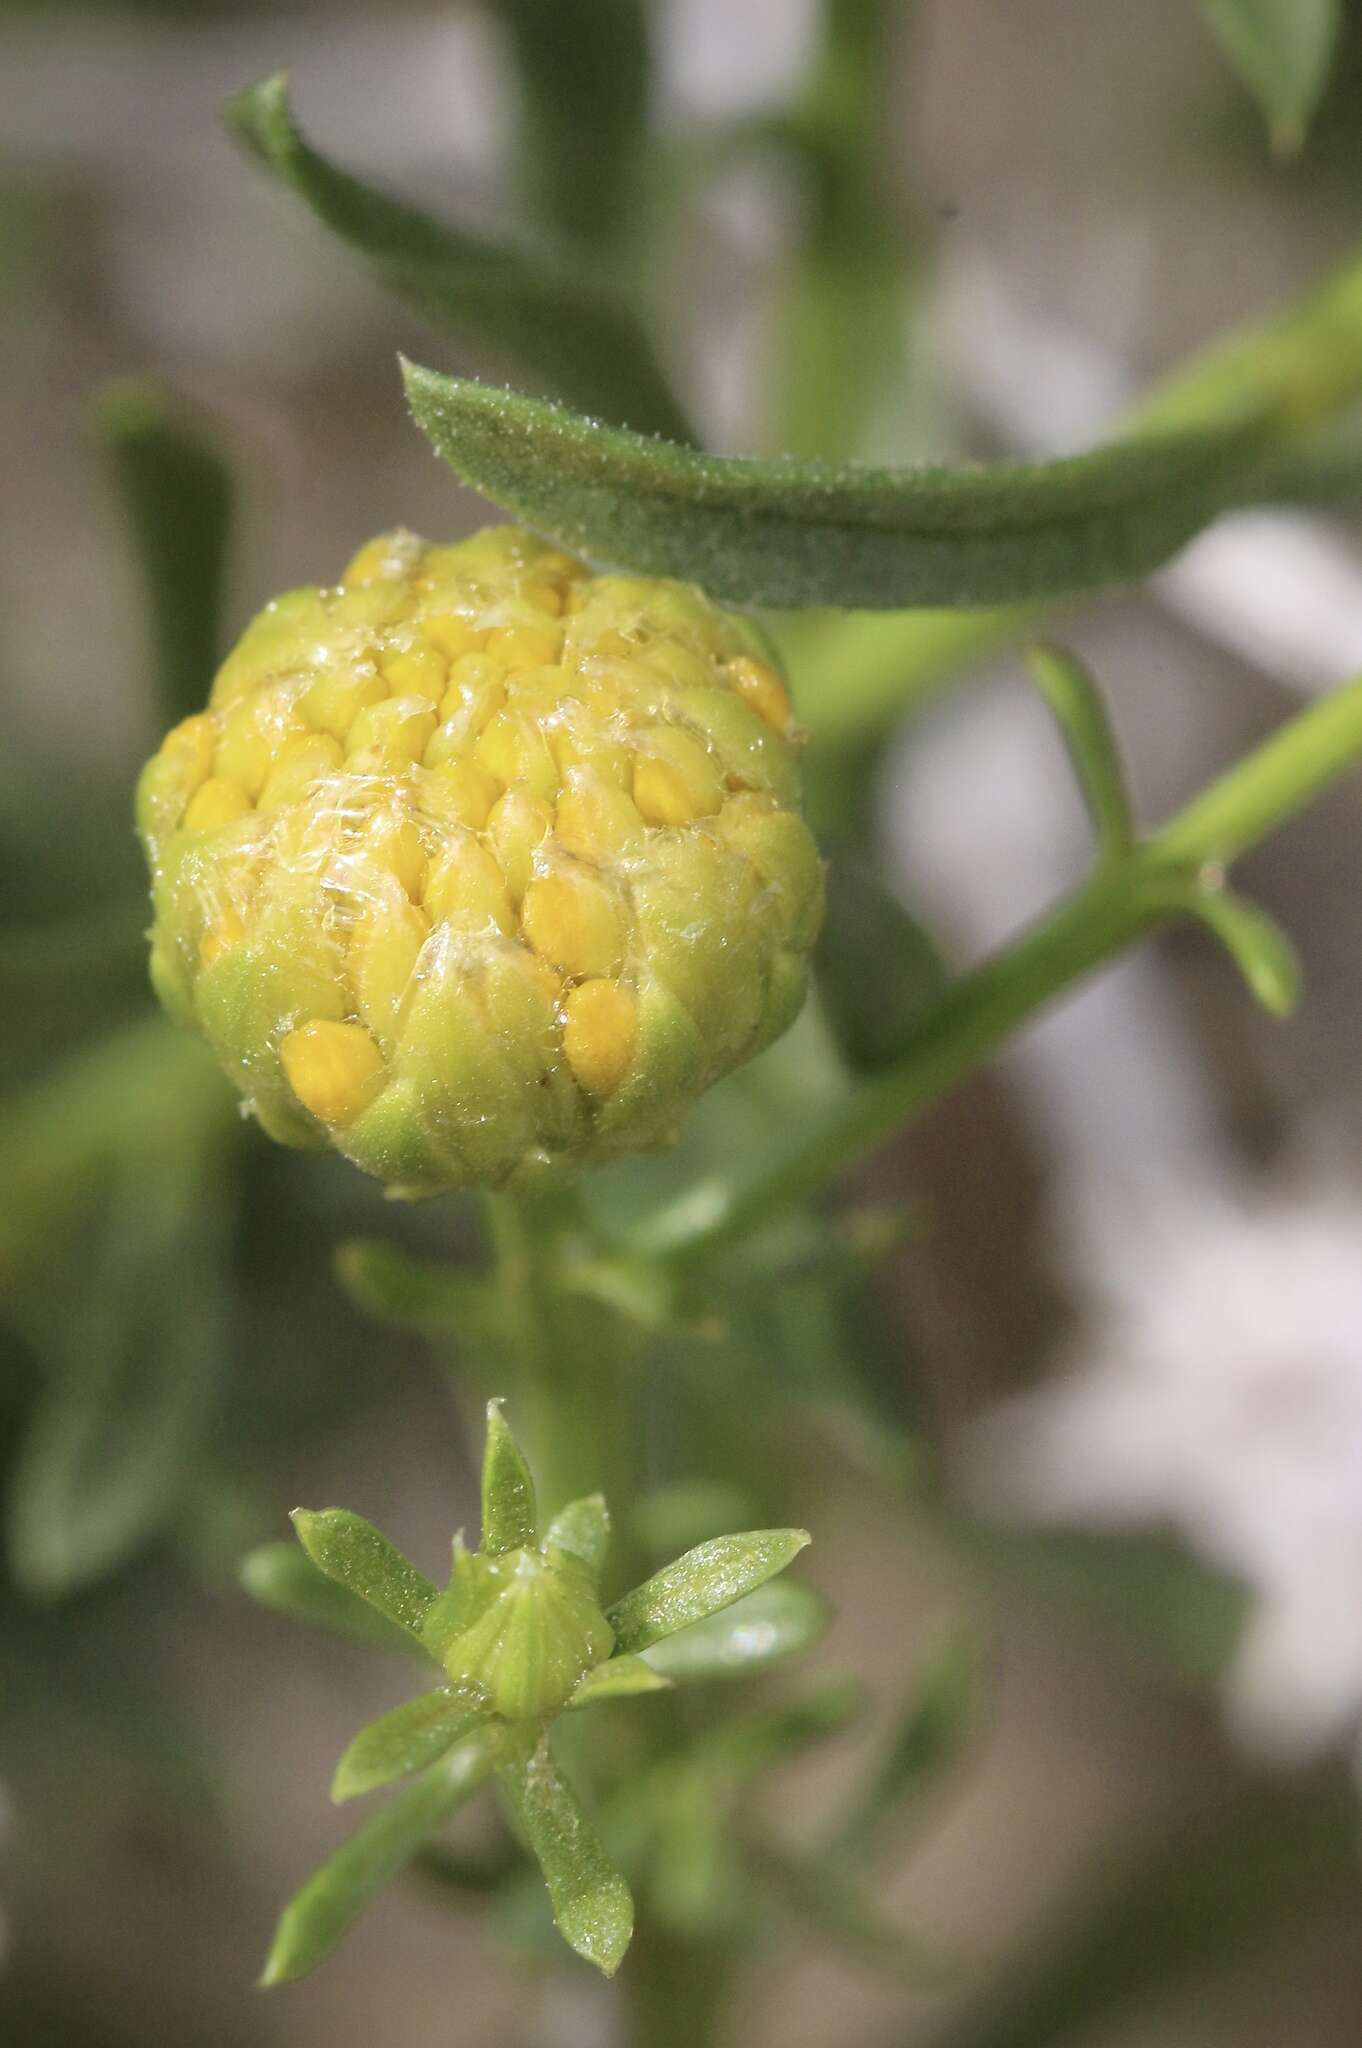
(477,864)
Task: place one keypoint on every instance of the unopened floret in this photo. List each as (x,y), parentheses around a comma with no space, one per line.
(478,864)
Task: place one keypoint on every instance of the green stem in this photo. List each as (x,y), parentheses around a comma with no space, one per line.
(551,1411)
(1159,880)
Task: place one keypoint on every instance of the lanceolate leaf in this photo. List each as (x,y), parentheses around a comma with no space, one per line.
(1282,49)
(419,1294)
(1255,942)
(619,1679)
(333,1899)
(405,1741)
(583,1530)
(177,495)
(110,1448)
(583,72)
(790,533)
(280,1576)
(591,1904)
(508,1505)
(706,1579)
(352,1551)
(776,1621)
(926,1741)
(561,324)
(1081,714)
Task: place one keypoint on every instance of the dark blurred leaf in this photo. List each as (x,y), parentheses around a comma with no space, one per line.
(135,1359)
(509,1514)
(592,1907)
(841,323)
(779,1620)
(705,1580)
(1223,1887)
(940,1717)
(281,1576)
(584,74)
(359,1557)
(399,1744)
(147,1099)
(876,965)
(825,1900)
(176,493)
(756,1742)
(791,533)
(567,328)
(424,1295)
(70,976)
(332,1900)
(1282,49)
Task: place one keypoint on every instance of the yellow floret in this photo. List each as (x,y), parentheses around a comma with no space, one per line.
(466,888)
(574,922)
(390,735)
(418,671)
(761,687)
(521,647)
(187,750)
(600,1023)
(333,1069)
(215,802)
(229,930)
(675,779)
(298,765)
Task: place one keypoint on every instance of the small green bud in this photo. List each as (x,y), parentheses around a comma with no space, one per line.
(537,1631)
(478,866)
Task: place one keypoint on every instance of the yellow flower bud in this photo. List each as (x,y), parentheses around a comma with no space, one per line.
(478,866)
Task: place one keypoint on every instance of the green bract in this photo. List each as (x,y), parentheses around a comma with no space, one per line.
(520,1637)
(478,866)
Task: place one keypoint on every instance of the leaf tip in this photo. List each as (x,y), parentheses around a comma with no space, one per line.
(280,1967)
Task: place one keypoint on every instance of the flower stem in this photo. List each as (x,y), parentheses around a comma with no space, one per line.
(1159,880)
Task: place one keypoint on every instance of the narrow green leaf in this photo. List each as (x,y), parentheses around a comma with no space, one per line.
(756,1742)
(1255,942)
(940,1717)
(567,328)
(176,492)
(841,319)
(355,1554)
(583,1530)
(776,1621)
(584,76)
(509,1515)
(135,1359)
(1283,50)
(1081,715)
(620,1678)
(334,1897)
(825,1899)
(281,1577)
(424,1295)
(790,533)
(592,1908)
(407,1740)
(706,1579)
(147,1099)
